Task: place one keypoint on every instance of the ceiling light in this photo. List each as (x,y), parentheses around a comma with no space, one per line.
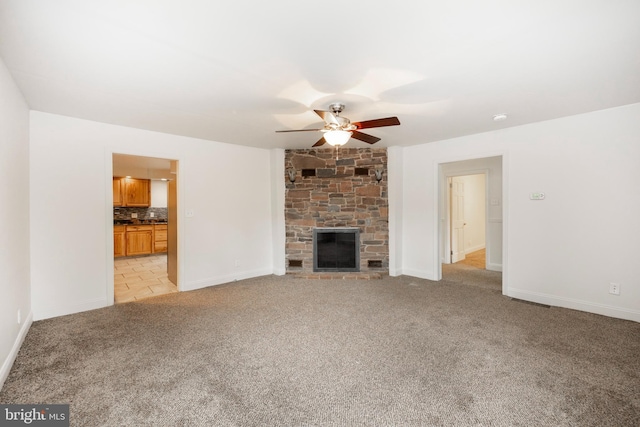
(499,117)
(337,137)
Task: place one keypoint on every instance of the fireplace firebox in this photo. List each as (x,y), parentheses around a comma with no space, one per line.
(336,249)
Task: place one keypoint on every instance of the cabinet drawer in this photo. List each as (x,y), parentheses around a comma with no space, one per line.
(161,235)
(139,227)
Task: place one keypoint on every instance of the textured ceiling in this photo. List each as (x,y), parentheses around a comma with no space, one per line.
(237,71)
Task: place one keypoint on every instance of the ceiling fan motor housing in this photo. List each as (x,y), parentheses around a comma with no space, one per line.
(343,124)
(336,107)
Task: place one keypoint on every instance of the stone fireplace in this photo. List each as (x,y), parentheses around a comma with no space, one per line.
(337,190)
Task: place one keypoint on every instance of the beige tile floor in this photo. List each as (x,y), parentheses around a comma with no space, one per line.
(141,277)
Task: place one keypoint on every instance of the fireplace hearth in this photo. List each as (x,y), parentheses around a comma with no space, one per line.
(336,249)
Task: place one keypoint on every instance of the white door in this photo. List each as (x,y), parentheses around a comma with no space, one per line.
(457,220)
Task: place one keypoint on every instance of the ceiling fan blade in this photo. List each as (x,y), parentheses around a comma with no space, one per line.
(369,139)
(327,116)
(298,130)
(320,142)
(377,123)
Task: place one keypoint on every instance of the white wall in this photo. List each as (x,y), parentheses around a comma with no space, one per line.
(14,221)
(159,193)
(228,188)
(278,191)
(566,249)
(396,204)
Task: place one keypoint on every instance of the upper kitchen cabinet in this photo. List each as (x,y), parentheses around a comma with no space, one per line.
(137,192)
(132,192)
(117,191)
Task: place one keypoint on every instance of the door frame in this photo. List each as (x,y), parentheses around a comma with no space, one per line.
(109,260)
(439,202)
(448,230)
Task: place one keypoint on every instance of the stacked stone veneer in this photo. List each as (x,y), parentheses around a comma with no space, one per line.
(343,193)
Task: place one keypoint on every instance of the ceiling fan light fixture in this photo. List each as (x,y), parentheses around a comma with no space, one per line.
(337,137)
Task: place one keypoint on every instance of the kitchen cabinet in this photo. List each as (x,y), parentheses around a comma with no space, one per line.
(159,238)
(137,192)
(139,239)
(117,191)
(143,239)
(119,240)
(132,192)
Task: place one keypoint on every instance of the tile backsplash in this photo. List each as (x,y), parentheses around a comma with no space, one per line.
(159,214)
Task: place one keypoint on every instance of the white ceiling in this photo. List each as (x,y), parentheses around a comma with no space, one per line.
(237,71)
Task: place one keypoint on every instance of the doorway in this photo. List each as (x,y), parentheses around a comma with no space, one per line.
(463,245)
(144,226)
(467,219)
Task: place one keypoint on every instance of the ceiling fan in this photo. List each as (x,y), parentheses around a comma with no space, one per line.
(338,130)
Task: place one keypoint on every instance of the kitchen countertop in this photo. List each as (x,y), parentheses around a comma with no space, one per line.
(143,222)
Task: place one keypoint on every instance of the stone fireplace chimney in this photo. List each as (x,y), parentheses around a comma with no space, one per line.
(344,188)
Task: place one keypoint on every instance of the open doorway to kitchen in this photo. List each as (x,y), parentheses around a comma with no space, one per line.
(144,227)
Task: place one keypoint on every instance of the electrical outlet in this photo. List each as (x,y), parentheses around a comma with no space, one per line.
(134,215)
(614,288)
(152,214)
(189,213)
(237,263)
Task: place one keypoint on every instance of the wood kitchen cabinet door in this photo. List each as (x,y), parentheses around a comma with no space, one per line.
(139,239)
(117,191)
(137,192)
(119,241)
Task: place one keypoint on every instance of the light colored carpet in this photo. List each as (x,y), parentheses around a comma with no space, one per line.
(285,351)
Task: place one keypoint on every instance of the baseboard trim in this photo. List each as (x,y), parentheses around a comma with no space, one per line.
(494,267)
(70,309)
(11,357)
(279,271)
(575,304)
(219,280)
(474,249)
(420,274)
